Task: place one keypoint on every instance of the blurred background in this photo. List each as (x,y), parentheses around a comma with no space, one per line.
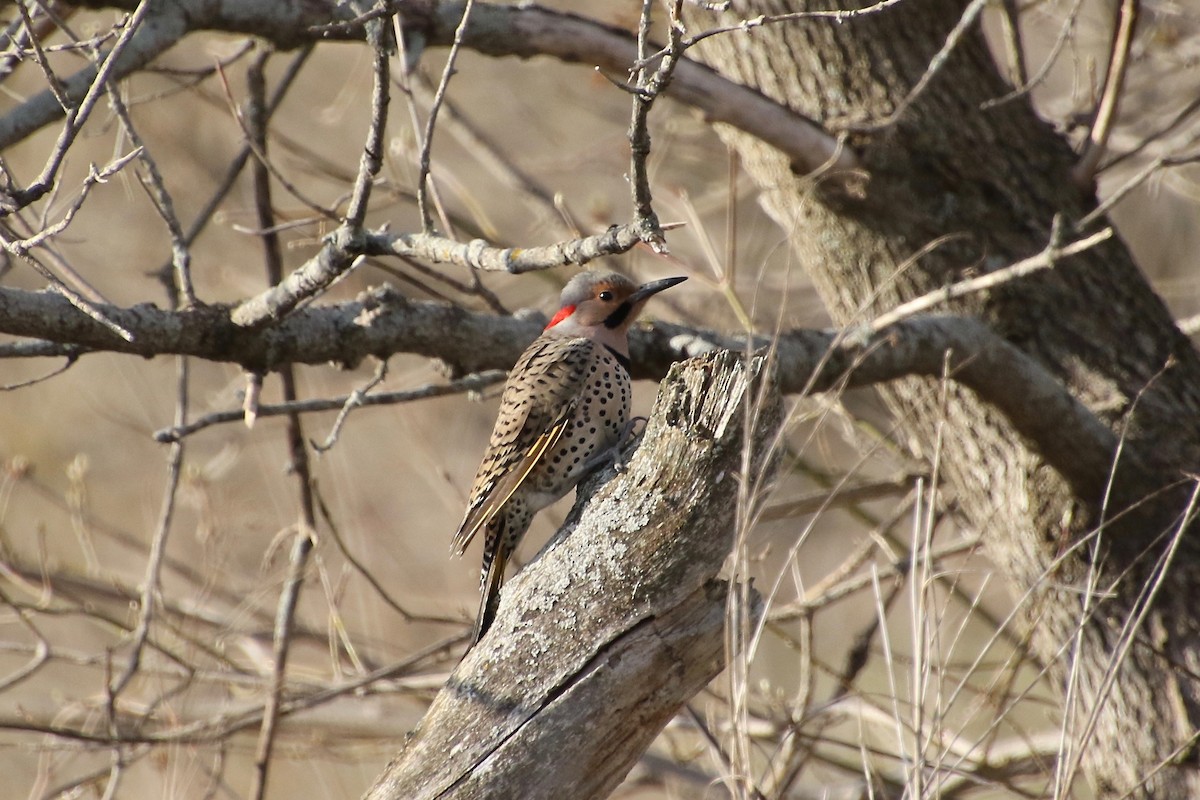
(83,478)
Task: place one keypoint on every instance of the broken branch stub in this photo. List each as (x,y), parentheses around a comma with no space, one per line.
(617,622)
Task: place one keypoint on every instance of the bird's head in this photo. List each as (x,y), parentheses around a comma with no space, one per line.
(603,304)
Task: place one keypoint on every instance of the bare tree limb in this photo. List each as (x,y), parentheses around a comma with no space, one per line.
(524,31)
(298,462)
(531,712)
(1084,172)
(146,35)
(381,322)
(469,383)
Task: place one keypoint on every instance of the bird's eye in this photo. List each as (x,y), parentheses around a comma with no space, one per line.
(606,295)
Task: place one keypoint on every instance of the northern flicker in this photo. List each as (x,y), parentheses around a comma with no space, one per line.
(566,403)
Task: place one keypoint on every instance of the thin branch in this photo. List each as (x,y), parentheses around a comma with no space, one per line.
(151,581)
(1084,171)
(523,31)
(423,176)
(333,260)
(21,247)
(823,500)
(471,383)
(220,727)
(372,156)
(1162,131)
(161,199)
(486,150)
(1064,35)
(298,463)
(1014,49)
(39,54)
(352,402)
(1052,253)
(839,15)
(1137,179)
(72,358)
(252,146)
(340,250)
(302,544)
(965,22)
(1057,425)
(206,212)
(76,116)
(647,88)
(41,652)
(478,254)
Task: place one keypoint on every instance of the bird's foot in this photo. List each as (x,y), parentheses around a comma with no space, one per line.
(629,432)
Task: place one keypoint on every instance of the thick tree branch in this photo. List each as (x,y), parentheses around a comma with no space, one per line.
(523,31)
(616,623)
(381,322)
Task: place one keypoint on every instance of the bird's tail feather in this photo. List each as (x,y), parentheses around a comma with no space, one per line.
(492,580)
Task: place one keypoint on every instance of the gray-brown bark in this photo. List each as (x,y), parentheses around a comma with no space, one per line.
(618,622)
(994,179)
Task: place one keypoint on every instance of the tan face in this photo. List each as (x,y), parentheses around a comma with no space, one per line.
(605,298)
(592,297)
(594,300)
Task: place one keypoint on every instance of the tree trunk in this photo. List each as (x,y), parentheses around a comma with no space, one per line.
(992,181)
(618,622)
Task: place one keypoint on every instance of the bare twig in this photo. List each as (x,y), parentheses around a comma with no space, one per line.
(965,22)
(306,525)
(161,200)
(488,152)
(1137,179)
(41,652)
(423,176)
(478,254)
(353,401)
(205,214)
(78,114)
(151,581)
(823,500)
(45,233)
(1084,171)
(647,87)
(1163,130)
(372,156)
(1053,252)
(72,357)
(219,727)
(1064,35)
(1014,49)
(369,576)
(501,31)
(470,383)
(39,54)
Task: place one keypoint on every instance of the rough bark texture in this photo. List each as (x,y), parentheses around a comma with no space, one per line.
(994,179)
(616,623)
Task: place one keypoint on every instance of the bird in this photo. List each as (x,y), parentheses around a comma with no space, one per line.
(564,406)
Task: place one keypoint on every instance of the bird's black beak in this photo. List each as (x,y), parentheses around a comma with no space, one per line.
(633,303)
(652,288)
